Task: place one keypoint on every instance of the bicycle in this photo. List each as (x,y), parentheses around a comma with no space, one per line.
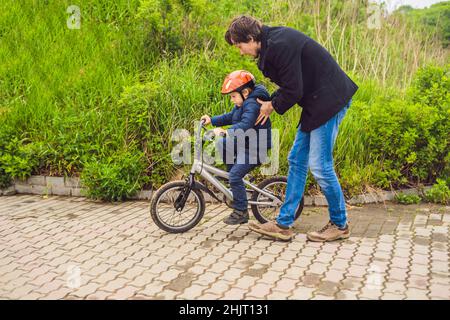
(185,208)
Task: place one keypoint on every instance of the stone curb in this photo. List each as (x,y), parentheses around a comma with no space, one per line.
(72,186)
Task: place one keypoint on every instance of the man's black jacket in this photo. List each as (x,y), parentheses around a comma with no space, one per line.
(306,74)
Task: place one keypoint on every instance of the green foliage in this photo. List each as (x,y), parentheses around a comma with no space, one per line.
(389,141)
(171,23)
(431,87)
(19,159)
(103,101)
(408,142)
(436,17)
(116,177)
(408,138)
(138,111)
(5,179)
(407,198)
(439,193)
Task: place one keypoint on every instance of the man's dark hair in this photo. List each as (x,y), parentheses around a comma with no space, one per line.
(243,29)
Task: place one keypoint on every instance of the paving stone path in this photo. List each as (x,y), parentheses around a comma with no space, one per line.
(75,248)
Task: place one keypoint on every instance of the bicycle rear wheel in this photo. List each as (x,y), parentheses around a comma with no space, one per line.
(277,187)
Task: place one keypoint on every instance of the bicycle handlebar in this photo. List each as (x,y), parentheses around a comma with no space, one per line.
(207,134)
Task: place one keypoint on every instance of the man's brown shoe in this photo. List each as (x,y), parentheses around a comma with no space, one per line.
(330,232)
(271,229)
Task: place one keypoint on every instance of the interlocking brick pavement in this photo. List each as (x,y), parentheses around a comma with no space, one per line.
(74,248)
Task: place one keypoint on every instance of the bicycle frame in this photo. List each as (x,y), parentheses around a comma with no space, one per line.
(208,172)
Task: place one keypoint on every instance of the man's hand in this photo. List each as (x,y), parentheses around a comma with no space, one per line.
(220,132)
(206,119)
(264,112)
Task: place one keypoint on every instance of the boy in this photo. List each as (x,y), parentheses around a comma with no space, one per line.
(240,158)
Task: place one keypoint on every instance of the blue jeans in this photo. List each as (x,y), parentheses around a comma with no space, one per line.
(314,150)
(239,163)
(237,171)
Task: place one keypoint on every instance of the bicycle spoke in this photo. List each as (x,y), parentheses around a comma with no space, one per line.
(168,213)
(277,189)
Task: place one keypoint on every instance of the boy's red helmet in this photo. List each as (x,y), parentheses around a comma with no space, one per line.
(237,81)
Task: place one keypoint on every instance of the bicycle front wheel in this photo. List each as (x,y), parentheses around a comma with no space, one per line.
(163,207)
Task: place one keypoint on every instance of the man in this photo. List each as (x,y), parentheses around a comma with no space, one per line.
(306,74)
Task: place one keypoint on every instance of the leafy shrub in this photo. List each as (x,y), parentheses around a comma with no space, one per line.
(116,177)
(5,179)
(407,198)
(431,87)
(439,193)
(408,139)
(19,160)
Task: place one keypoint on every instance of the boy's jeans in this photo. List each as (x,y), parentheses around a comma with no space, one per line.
(237,171)
(315,150)
(237,167)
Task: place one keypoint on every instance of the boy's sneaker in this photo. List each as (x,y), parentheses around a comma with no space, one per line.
(330,232)
(237,217)
(273,230)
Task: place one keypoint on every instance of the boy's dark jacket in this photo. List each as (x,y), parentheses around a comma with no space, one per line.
(306,73)
(244,117)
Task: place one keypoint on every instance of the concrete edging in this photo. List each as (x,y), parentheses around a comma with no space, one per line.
(72,186)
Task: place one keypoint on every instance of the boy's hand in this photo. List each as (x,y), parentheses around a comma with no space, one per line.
(206,119)
(264,112)
(220,132)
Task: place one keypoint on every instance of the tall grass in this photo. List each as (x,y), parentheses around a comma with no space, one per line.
(138,69)
(389,52)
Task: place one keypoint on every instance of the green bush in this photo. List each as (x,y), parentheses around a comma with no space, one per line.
(431,87)
(439,193)
(19,159)
(117,177)
(5,179)
(407,198)
(408,138)
(393,139)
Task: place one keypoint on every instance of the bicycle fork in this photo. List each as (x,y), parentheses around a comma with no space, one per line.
(180,201)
